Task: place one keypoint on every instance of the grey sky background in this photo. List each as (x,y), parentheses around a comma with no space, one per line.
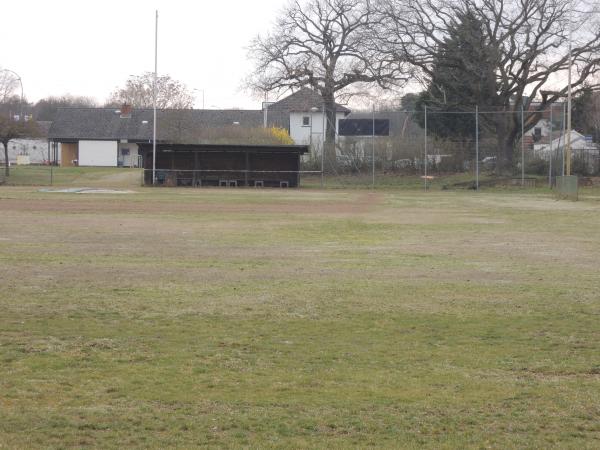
(90,48)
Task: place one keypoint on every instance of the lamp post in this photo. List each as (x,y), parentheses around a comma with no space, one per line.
(313,110)
(21,83)
(569,92)
(200,90)
(154,99)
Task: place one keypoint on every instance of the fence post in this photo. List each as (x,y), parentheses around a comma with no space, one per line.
(323,137)
(522,145)
(373,148)
(562,153)
(425,110)
(550,152)
(477,147)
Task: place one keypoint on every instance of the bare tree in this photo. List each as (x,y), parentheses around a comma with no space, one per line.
(529,39)
(8,85)
(327,45)
(138,92)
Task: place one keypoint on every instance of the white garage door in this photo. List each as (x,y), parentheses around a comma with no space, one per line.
(98,153)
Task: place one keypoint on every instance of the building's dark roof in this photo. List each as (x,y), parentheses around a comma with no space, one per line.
(249,148)
(302,101)
(184,126)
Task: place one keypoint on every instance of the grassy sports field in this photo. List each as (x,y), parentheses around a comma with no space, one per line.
(299,318)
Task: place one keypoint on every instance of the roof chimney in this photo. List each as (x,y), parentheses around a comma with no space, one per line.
(126,111)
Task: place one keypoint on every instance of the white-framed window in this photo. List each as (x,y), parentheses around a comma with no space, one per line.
(306,121)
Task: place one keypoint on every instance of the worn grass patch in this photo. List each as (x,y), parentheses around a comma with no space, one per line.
(291,319)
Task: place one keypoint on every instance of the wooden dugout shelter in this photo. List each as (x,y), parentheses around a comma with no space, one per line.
(224,164)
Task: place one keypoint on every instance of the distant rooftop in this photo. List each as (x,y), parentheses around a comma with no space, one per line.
(184,126)
(303,101)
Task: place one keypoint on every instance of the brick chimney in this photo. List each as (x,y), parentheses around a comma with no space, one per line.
(126,111)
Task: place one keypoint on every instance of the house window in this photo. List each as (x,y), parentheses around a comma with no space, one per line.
(125,151)
(306,121)
(537,134)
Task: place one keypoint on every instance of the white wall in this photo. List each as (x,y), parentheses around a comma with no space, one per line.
(36,149)
(98,153)
(130,160)
(578,142)
(302,134)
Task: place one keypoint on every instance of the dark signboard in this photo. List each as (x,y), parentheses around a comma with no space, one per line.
(364,127)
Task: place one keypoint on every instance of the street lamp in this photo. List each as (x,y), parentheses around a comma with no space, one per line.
(313,110)
(200,90)
(21,83)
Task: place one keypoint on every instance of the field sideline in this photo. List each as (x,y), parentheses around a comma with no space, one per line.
(298,318)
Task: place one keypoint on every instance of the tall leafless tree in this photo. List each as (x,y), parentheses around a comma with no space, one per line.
(326,45)
(529,38)
(138,92)
(8,85)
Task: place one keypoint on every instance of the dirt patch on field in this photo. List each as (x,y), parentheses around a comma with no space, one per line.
(355,204)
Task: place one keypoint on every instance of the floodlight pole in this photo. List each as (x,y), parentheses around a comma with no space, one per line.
(265,109)
(154,99)
(569,95)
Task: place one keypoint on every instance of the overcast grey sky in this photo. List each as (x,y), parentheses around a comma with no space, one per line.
(89,48)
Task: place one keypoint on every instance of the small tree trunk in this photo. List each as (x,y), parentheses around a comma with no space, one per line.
(506,144)
(6,169)
(330,131)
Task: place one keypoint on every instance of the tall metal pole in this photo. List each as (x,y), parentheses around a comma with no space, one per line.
(373,149)
(477,147)
(265,110)
(425,111)
(522,145)
(21,117)
(569,96)
(154,99)
(550,151)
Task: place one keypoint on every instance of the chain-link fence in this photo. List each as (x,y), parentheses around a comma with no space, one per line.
(473,148)
(469,148)
(27,175)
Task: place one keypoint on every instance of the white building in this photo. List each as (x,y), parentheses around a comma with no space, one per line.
(307,120)
(582,148)
(34,150)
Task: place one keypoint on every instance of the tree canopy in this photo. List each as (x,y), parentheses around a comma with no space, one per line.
(45,109)
(462,76)
(138,92)
(528,45)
